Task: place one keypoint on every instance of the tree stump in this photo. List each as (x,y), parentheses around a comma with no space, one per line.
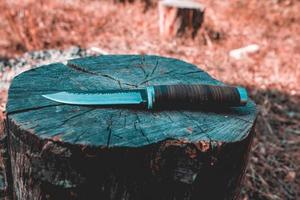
(177,17)
(59,151)
(148,3)
(123,1)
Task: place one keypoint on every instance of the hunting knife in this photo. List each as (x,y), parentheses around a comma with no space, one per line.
(159,96)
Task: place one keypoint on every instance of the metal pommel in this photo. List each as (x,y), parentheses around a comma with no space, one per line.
(243,95)
(150,96)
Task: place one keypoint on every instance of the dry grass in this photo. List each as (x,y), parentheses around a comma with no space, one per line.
(272,74)
(274,167)
(30,25)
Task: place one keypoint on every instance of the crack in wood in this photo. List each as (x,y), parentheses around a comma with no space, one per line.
(80,69)
(125,121)
(67,120)
(142,65)
(32,109)
(109,123)
(76,115)
(197,125)
(154,68)
(120,83)
(165,74)
(138,121)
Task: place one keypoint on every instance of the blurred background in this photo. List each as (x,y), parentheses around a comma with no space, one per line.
(252,43)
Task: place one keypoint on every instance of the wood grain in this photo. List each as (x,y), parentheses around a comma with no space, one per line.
(80,152)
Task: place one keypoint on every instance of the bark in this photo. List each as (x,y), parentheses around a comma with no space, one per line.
(58,151)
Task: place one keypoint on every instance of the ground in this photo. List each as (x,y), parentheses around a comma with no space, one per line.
(272,74)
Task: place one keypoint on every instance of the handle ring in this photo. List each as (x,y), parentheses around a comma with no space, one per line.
(243,95)
(150,96)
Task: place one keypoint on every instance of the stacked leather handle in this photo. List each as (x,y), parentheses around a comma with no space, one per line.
(198,95)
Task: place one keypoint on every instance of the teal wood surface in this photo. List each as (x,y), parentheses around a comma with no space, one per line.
(119,127)
(58,151)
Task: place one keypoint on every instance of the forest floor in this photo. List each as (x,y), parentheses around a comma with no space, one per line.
(272,74)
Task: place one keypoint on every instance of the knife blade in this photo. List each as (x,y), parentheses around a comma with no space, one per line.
(96,99)
(160,96)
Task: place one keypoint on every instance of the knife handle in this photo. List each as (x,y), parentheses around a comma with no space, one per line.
(165,96)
